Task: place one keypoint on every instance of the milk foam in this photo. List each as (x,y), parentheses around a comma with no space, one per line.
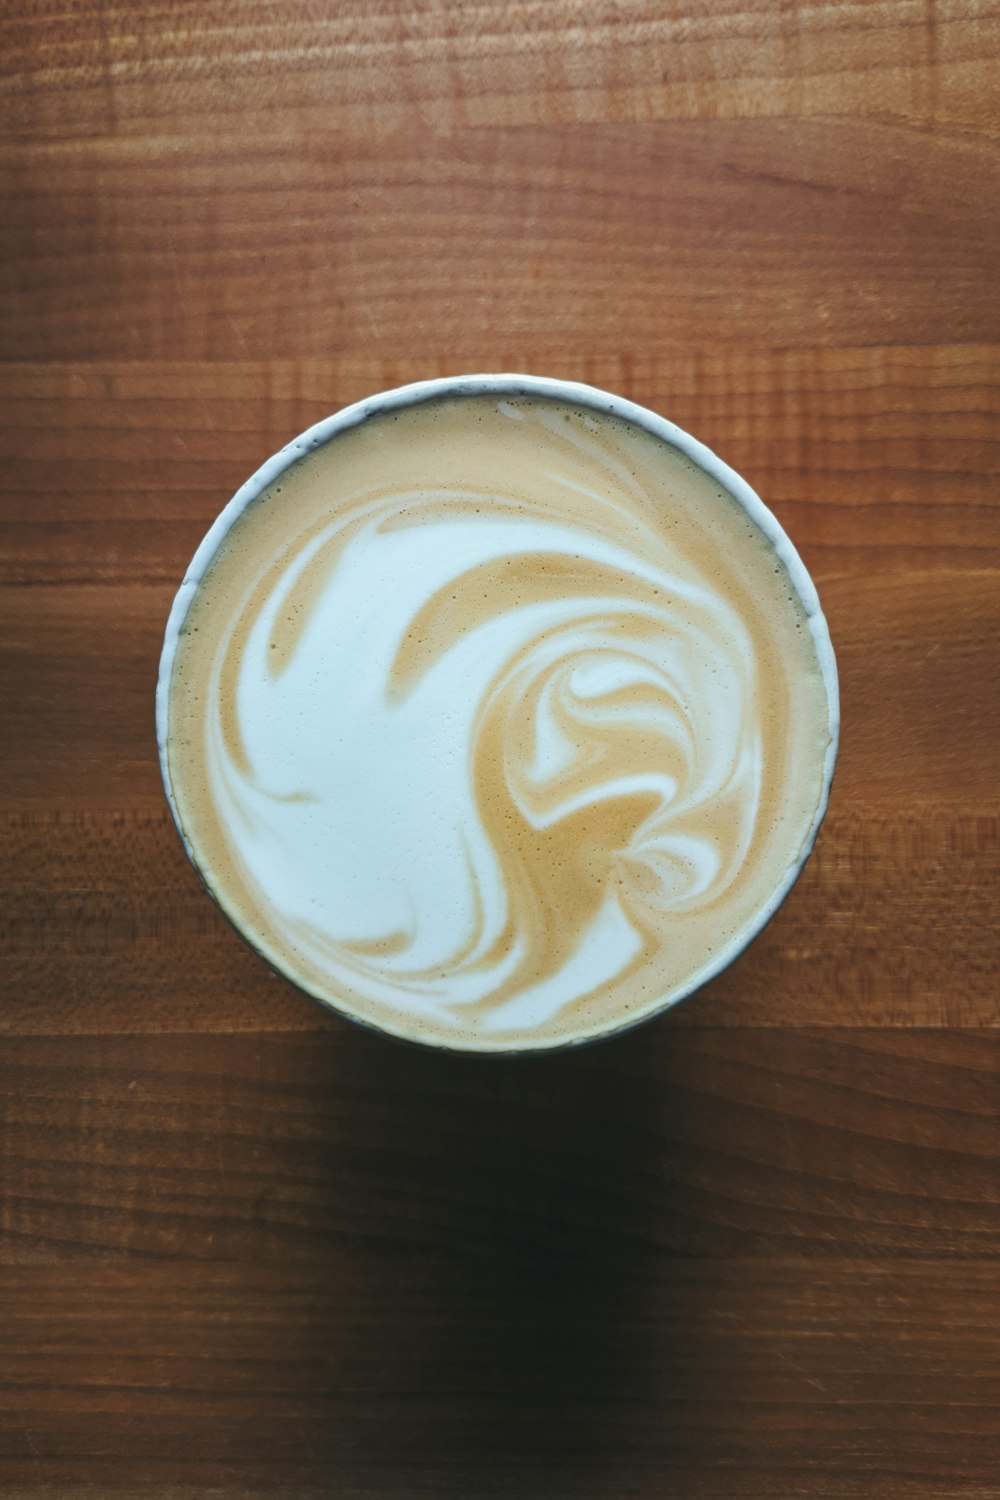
(493,719)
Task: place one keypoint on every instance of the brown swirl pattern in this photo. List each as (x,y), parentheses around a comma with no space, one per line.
(504,718)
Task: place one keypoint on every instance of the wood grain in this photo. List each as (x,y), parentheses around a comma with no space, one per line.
(414,1377)
(749,1252)
(368,66)
(760,231)
(697,1142)
(875,458)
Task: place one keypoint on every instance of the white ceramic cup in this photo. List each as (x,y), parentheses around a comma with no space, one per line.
(579,396)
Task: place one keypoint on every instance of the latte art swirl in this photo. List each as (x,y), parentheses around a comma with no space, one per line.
(494,731)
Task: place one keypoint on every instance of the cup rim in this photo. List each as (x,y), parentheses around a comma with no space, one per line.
(570,392)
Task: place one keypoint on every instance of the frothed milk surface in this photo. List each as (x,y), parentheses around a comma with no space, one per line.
(496,722)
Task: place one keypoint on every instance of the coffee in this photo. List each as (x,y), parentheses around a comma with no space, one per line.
(497,721)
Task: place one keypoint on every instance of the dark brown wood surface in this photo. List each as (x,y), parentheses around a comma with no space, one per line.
(752,1250)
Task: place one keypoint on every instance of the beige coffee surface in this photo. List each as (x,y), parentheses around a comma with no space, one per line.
(496,723)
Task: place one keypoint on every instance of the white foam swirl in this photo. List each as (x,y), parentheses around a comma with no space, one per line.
(475,756)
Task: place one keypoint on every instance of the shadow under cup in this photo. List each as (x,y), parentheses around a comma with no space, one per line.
(505,389)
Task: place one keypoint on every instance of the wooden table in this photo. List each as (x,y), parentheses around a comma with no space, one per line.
(750,1250)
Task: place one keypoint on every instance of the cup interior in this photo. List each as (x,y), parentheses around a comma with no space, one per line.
(509,386)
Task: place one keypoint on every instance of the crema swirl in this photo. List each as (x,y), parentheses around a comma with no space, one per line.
(496,721)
